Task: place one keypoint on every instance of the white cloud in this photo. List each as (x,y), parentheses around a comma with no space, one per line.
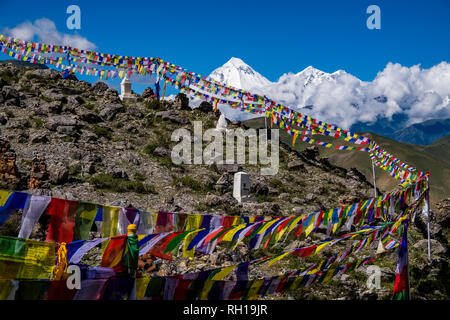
(342,99)
(45,31)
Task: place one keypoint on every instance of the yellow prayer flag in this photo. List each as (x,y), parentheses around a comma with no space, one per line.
(278,258)
(224,272)
(189,253)
(206,288)
(193,221)
(320,247)
(141,287)
(4,196)
(229,235)
(253,291)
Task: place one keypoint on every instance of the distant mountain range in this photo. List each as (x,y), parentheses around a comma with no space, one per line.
(434,158)
(424,133)
(387,105)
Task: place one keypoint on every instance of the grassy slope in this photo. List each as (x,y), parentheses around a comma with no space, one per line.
(434,159)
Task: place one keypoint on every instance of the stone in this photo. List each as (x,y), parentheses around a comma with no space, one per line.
(205,107)
(10,96)
(310,153)
(442,213)
(52,107)
(111,96)
(118,173)
(133,111)
(297,200)
(39,177)
(346,200)
(284,196)
(88,116)
(298,210)
(173,116)
(181,102)
(212,200)
(38,137)
(9,174)
(436,246)
(54,94)
(58,174)
(229,168)
(48,73)
(259,187)
(162,152)
(3,83)
(63,121)
(3,118)
(99,87)
(148,93)
(296,165)
(110,111)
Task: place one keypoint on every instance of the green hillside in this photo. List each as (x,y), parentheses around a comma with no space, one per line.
(433,158)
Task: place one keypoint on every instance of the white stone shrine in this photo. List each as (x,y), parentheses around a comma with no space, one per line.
(222,123)
(125,90)
(241,187)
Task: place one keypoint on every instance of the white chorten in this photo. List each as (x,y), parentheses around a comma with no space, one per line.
(222,123)
(125,90)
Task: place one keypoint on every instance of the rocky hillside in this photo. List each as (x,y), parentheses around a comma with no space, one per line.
(70,139)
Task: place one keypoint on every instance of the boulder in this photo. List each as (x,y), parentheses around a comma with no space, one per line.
(133,111)
(99,87)
(109,111)
(118,173)
(10,96)
(58,174)
(230,168)
(3,83)
(9,174)
(436,246)
(310,153)
(38,137)
(39,177)
(62,121)
(45,73)
(88,116)
(52,107)
(148,93)
(181,102)
(259,187)
(205,107)
(54,94)
(212,200)
(111,96)
(3,118)
(296,165)
(162,152)
(442,214)
(172,115)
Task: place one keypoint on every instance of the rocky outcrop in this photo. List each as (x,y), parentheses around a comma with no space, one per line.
(39,177)
(148,93)
(181,102)
(9,175)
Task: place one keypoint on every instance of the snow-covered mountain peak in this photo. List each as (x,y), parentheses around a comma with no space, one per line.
(238,74)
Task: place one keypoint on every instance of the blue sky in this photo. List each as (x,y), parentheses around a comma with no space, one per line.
(274,37)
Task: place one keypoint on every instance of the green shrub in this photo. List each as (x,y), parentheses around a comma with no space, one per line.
(108,182)
(187,181)
(102,131)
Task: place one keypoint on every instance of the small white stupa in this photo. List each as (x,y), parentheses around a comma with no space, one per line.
(125,90)
(222,123)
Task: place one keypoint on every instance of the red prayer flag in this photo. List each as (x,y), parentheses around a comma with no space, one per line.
(62,221)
